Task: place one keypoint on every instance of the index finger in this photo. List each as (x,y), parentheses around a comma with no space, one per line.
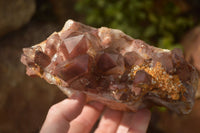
(60,114)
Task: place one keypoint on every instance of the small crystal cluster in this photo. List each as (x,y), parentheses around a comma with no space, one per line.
(168,86)
(113,68)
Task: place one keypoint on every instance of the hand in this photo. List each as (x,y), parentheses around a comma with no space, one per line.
(73,116)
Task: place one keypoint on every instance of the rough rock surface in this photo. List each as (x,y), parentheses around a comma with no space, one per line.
(113,68)
(14,14)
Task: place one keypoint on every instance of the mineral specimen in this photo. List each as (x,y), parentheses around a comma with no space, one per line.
(113,68)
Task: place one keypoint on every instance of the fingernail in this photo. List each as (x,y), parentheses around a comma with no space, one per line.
(96,105)
(142,117)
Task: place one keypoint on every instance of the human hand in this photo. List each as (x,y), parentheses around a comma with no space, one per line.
(73,116)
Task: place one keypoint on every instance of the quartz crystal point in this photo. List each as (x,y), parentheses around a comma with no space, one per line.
(113,68)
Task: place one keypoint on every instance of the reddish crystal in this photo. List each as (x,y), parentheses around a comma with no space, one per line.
(113,68)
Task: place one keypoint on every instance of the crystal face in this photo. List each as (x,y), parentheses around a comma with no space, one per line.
(111,67)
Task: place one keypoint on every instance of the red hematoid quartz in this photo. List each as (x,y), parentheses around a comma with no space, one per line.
(113,68)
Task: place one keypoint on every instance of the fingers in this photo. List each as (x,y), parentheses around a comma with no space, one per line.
(109,122)
(67,114)
(135,122)
(60,114)
(140,121)
(125,122)
(85,121)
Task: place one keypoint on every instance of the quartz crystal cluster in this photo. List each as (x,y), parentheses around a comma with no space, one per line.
(113,68)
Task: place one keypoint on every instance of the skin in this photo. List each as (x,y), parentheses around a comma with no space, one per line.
(73,115)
